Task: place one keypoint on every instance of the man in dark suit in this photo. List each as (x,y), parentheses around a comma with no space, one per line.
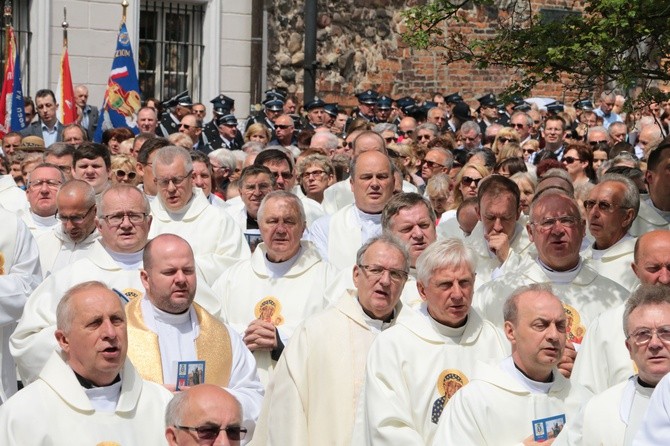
(47,126)
(89,113)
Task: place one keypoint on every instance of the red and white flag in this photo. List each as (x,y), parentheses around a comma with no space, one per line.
(67,110)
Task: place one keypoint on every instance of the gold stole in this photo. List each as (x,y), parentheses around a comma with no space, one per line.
(212,346)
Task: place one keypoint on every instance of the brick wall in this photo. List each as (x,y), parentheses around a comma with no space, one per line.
(359,47)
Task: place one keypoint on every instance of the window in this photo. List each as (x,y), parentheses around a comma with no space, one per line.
(22,34)
(170,49)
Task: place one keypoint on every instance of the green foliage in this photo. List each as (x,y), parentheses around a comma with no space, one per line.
(606,43)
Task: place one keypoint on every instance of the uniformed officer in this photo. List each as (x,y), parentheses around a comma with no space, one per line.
(315,113)
(178,107)
(383,112)
(488,111)
(227,133)
(367,101)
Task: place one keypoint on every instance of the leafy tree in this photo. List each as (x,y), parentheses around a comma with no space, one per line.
(598,44)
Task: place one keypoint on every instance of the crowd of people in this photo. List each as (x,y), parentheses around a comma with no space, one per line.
(411,271)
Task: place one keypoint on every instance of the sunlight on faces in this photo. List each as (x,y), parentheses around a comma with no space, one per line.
(96,343)
(470,188)
(448,294)
(202,177)
(379,295)
(498,214)
(254,189)
(653,258)
(608,227)
(94,172)
(539,334)
(284,178)
(373,182)
(125,237)
(170,279)
(652,359)
(281,228)
(415,228)
(174,196)
(42,189)
(558,246)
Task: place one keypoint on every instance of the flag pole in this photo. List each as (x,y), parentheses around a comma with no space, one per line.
(8,25)
(124,4)
(65,26)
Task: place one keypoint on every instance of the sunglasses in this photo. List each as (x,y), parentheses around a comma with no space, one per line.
(517,126)
(283,126)
(529,151)
(570,159)
(467,181)
(504,140)
(407,133)
(234,433)
(186,126)
(122,174)
(391,139)
(595,143)
(431,164)
(426,137)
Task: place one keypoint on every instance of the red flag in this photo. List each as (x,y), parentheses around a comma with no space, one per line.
(67,111)
(7,85)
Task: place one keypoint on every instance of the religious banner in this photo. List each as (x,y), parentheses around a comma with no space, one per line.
(12,111)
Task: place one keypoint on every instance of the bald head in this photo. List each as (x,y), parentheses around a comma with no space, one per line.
(652,258)
(369,141)
(202,405)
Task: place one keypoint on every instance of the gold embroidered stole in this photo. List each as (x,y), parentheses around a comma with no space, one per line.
(212,346)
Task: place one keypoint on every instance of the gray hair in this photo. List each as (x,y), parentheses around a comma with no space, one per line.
(384,127)
(64,311)
(540,196)
(446,253)
(316,160)
(625,157)
(438,184)
(254,147)
(167,155)
(282,195)
(631,196)
(613,126)
(527,176)
(59,149)
(121,188)
(43,165)
(511,307)
(599,128)
(224,157)
(645,295)
(526,116)
(449,163)
(389,240)
(404,201)
(329,138)
(470,126)
(428,126)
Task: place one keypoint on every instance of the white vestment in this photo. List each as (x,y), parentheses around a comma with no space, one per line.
(338,237)
(216,240)
(614,262)
(488,265)
(33,340)
(603,360)
(39,225)
(655,428)
(243,382)
(57,250)
(584,298)
(19,276)
(248,292)
(55,410)
(497,409)
(337,196)
(448,227)
(12,197)
(308,403)
(647,220)
(410,368)
(611,418)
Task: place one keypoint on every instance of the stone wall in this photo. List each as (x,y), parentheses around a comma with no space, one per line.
(359,47)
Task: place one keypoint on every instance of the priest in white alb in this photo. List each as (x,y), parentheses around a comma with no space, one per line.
(524,398)
(416,366)
(266,297)
(307,403)
(603,359)
(89,394)
(166,326)
(614,416)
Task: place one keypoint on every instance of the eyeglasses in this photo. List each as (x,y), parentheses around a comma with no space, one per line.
(595,143)
(117,219)
(570,159)
(405,133)
(375,271)
(603,206)
(431,164)
(642,336)
(234,433)
(426,137)
(391,139)
(262,187)
(467,138)
(529,151)
(517,126)
(51,184)
(314,173)
(283,126)
(176,181)
(504,140)
(467,181)
(548,223)
(198,112)
(75,219)
(122,174)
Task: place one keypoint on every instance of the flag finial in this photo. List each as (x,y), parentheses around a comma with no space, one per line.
(65,26)
(8,13)
(124,4)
